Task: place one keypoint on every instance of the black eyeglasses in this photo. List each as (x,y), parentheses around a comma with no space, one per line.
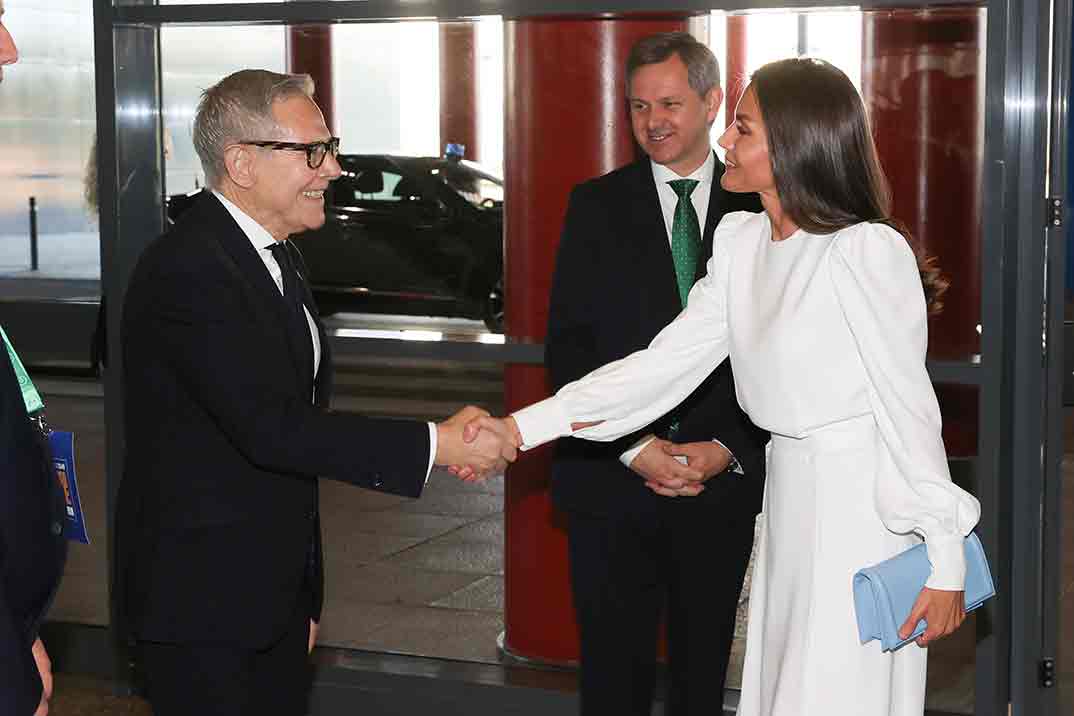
(315,151)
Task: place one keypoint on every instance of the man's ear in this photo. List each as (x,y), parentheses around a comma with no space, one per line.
(713,100)
(241,165)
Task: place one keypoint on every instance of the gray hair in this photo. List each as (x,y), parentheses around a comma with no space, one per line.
(702,69)
(239,108)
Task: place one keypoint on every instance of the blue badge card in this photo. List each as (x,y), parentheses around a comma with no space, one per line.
(63,460)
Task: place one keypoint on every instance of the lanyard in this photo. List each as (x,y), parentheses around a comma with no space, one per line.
(30,396)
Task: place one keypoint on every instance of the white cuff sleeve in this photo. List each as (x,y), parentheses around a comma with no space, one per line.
(628,457)
(432,450)
(736,466)
(948,558)
(542,422)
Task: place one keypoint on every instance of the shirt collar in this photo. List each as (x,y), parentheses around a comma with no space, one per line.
(261,239)
(703,173)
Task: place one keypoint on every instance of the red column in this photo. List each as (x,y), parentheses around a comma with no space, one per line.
(309,51)
(458,86)
(923,83)
(566,121)
(734,69)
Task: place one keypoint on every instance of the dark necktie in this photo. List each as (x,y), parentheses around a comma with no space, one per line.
(291,290)
(685,237)
(292,295)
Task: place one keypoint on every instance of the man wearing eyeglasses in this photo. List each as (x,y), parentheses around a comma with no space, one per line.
(228,376)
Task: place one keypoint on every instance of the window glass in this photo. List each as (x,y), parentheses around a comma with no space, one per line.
(909,65)
(371,185)
(396,108)
(472,183)
(47,111)
(192,59)
(390,97)
(386,88)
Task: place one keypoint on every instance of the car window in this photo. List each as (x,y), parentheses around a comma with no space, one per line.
(475,187)
(367,187)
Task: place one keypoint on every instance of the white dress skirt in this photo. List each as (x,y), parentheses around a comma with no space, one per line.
(819,526)
(827,337)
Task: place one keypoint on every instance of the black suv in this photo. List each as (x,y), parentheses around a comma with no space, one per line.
(411,235)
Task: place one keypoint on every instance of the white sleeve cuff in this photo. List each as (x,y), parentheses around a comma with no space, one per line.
(542,422)
(948,558)
(432,450)
(736,466)
(628,457)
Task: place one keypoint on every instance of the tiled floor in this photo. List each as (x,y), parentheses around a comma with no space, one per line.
(84,696)
(424,577)
(415,576)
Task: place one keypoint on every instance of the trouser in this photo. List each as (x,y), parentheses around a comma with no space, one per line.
(684,561)
(188,679)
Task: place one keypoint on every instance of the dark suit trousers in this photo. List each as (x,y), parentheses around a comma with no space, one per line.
(185,679)
(682,560)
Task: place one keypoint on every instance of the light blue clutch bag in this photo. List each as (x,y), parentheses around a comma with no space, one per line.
(885,593)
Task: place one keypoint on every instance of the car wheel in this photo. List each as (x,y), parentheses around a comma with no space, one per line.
(494,308)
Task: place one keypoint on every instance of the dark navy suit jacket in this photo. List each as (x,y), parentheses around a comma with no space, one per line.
(613,290)
(217,529)
(32,545)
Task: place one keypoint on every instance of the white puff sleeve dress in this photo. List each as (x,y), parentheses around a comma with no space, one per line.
(827,337)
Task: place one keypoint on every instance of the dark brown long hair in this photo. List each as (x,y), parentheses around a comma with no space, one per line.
(824,161)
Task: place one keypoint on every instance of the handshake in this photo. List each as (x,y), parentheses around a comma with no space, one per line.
(476,445)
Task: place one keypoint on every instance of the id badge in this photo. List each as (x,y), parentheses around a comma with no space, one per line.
(63,461)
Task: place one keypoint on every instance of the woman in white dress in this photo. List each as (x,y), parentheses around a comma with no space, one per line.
(819,303)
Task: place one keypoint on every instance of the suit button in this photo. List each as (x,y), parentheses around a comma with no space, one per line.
(311,515)
(377,481)
(57,529)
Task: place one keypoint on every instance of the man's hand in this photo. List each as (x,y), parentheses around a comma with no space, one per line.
(664,474)
(44,669)
(314,627)
(661,464)
(708,457)
(505,428)
(475,452)
(943,612)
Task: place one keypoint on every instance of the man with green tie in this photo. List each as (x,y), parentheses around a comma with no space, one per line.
(633,243)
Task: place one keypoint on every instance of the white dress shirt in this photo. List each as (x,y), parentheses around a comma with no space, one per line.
(263,242)
(668,201)
(699,198)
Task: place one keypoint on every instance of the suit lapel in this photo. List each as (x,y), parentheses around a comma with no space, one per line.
(323,379)
(654,247)
(717,208)
(239,254)
(649,218)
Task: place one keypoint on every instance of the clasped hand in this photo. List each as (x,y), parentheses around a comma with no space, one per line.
(475,445)
(680,469)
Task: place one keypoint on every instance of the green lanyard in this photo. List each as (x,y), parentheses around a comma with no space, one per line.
(29,393)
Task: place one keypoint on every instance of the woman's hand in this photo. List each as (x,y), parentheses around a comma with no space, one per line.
(943,612)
